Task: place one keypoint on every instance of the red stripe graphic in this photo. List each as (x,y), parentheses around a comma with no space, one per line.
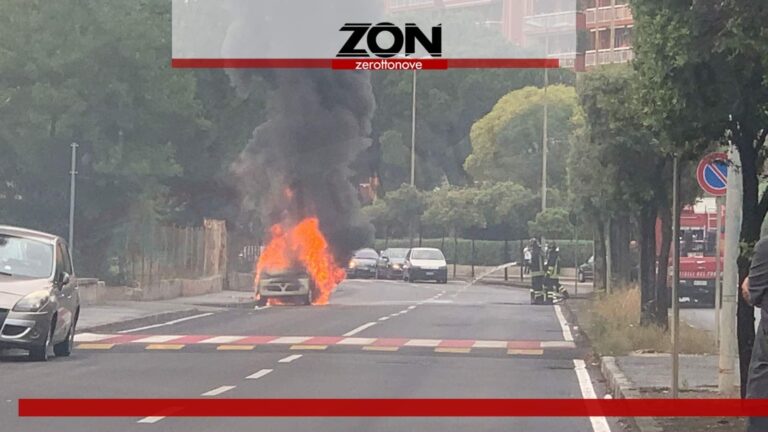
(393,407)
(477,63)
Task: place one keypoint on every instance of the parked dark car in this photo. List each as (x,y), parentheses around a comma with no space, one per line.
(363,264)
(39,299)
(391,263)
(587,270)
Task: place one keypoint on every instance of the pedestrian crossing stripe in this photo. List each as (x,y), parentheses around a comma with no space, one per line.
(107,341)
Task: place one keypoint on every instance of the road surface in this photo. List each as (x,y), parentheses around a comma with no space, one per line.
(377,339)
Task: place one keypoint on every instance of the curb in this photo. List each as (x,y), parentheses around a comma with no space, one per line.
(144,320)
(621,388)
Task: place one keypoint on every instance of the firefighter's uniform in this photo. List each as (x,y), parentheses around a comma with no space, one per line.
(538,273)
(554,290)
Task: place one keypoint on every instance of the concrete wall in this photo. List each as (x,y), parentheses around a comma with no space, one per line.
(93,291)
(241,282)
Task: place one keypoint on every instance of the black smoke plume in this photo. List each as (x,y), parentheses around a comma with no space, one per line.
(297,162)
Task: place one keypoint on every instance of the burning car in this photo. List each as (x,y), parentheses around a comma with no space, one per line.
(288,284)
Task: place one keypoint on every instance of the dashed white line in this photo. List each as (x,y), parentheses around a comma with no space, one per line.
(359,329)
(411,307)
(290,358)
(599,424)
(384,318)
(563,324)
(176,321)
(151,419)
(217,391)
(260,373)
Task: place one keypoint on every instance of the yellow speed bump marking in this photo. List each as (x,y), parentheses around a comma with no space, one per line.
(309,347)
(381,348)
(95,346)
(165,346)
(453,350)
(235,347)
(525,352)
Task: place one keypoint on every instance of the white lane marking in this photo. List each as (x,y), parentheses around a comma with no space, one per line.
(411,307)
(217,391)
(151,419)
(290,340)
(563,324)
(91,337)
(356,341)
(384,318)
(261,307)
(557,344)
(489,344)
(222,339)
(599,424)
(359,329)
(290,358)
(259,374)
(157,339)
(423,342)
(176,321)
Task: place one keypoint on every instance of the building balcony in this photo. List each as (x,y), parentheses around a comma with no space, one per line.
(551,22)
(567,60)
(607,56)
(606,15)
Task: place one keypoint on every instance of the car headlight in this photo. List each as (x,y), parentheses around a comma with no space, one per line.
(396,266)
(352,264)
(33,302)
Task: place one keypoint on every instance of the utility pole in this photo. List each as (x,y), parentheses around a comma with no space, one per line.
(675,275)
(727,379)
(413,131)
(544,133)
(72,174)
(719,256)
(608,258)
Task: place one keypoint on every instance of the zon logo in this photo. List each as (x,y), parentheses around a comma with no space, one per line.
(364,40)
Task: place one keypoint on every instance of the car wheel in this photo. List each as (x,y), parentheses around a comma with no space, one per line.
(42,352)
(64,348)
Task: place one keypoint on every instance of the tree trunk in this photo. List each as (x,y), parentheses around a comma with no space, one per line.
(506,258)
(620,230)
(647,273)
(662,273)
(750,233)
(599,260)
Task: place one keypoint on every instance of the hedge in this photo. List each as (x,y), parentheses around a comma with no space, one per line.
(491,252)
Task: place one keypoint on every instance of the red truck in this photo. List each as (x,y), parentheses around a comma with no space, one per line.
(698,251)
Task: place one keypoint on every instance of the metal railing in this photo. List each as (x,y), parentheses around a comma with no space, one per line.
(607,14)
(617,55)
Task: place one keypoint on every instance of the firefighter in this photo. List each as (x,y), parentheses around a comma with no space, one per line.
(537,273)
(555,291)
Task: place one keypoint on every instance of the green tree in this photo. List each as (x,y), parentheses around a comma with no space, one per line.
(507,142)
(552,223)
(701,77)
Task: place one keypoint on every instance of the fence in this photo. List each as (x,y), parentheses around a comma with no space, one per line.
(490,252)
(152,252)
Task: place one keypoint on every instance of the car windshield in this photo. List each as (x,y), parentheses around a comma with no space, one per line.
(395,253)
(24,257)
(427,254)
(366,254)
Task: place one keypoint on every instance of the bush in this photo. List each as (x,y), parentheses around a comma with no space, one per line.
(491,252)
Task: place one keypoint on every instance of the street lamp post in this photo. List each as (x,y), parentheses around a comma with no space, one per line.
(413,131)
(72,174)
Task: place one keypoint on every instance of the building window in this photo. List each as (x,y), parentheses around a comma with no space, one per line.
(591,41)
(604,39)
(591,4)
(623,38)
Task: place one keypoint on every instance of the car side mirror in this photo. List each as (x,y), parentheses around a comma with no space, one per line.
(64,278)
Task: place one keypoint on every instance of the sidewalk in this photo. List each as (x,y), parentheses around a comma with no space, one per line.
(637,376)
(95,316)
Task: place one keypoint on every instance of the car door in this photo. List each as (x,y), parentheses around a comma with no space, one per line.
(65,292)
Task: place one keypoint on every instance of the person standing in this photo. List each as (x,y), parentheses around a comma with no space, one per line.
(552,281)
(527,259)
(537,273)
(755,292)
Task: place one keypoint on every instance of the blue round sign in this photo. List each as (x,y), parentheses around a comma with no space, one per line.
(712,173)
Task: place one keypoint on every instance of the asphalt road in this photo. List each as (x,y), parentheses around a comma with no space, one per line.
(377,339)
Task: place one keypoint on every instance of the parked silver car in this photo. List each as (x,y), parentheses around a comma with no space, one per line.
(39,299)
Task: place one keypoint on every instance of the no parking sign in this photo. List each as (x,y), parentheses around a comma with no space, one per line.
(712,173)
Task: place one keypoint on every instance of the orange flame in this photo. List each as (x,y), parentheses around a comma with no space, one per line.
(303,243)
